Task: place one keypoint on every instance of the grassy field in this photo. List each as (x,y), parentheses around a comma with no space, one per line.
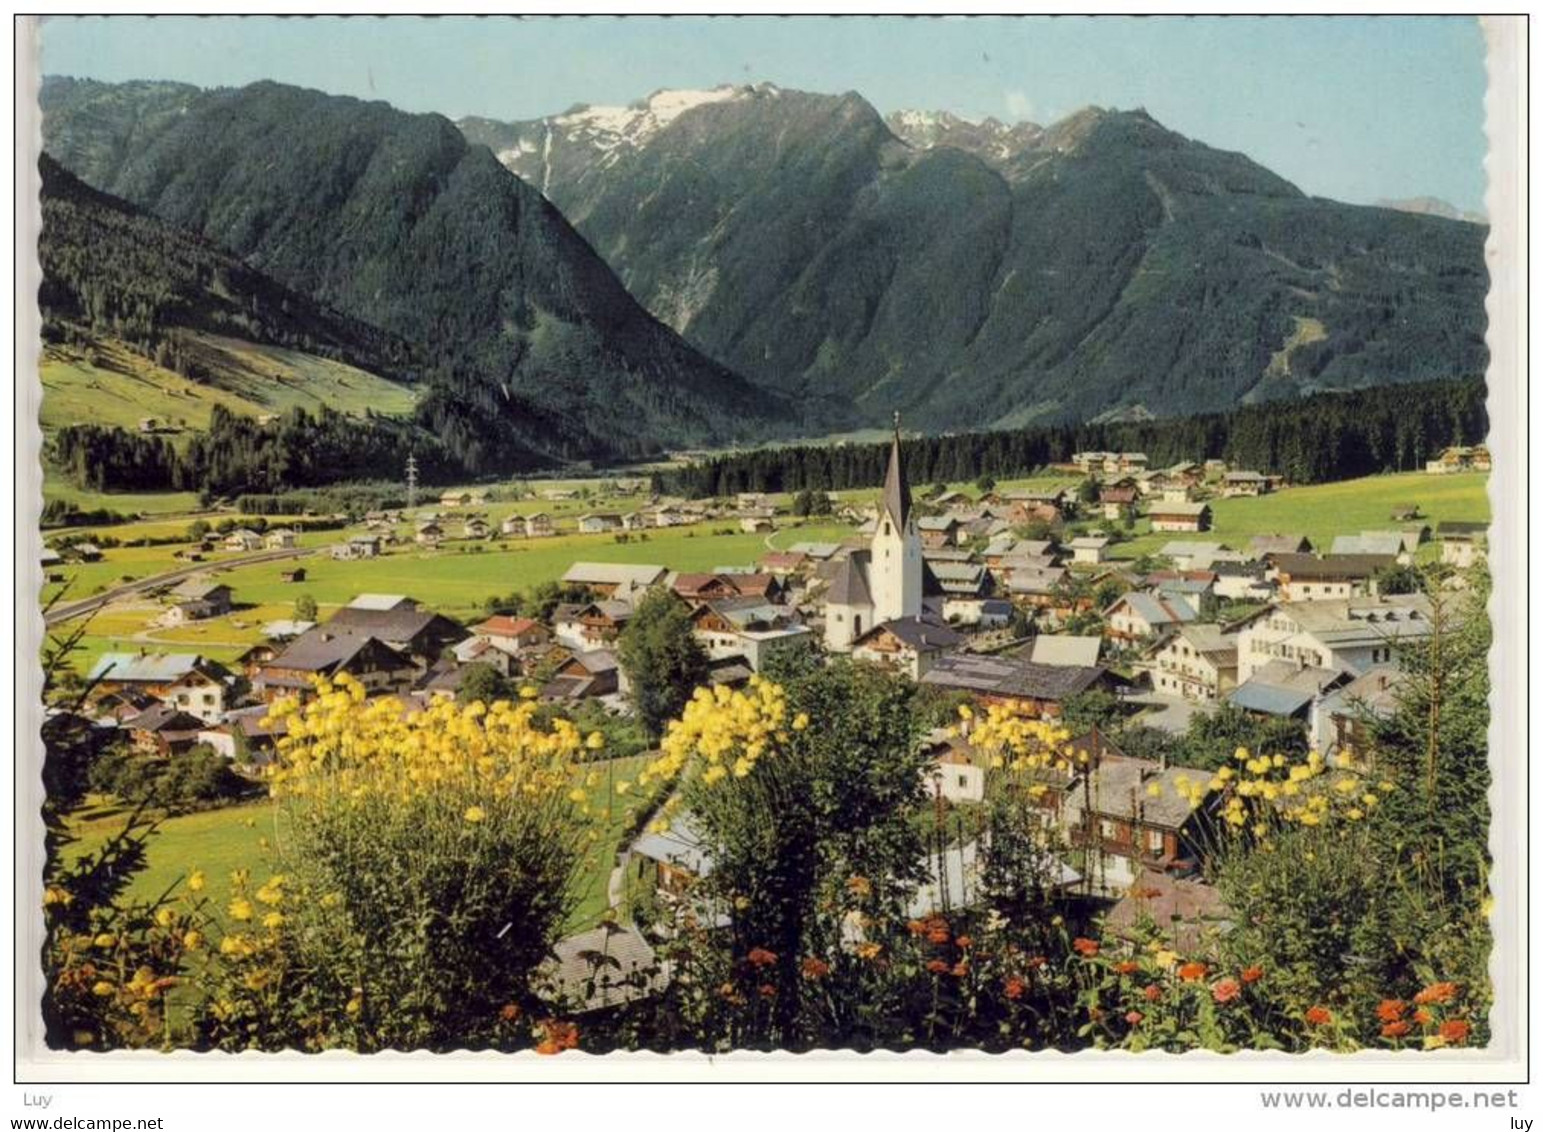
(114,386)
(1322,511)
(244,837)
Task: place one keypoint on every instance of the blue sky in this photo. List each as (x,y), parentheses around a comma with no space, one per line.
(1352,108)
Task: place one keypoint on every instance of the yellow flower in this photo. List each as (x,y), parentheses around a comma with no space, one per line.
(164,917)
(193,940)
(106,939)
(474,814)
(1166,958)
(800,721)
(102,989)
(241,909)
(273,920)
(595,742)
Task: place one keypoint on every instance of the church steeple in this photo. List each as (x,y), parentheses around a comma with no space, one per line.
(897,493)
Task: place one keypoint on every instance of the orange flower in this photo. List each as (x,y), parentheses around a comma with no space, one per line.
(1395,1029)
(760,957)
(766,990)
(937,966)
(1192,972)
(1422,1016)
(1225,990)
(937,930)
(859,886)
(915,927)
(1318,1016)
(1085,947)
(868,949)
(1153,992)
(1013,987)
(558,1036)
(1252,974)
(510,1012)
(1436,992)
(961,968)
(1391,1009)
(1037,962)
(1127,967)
(1134,1017)
(965,942)
(1454,1030)
(815,968)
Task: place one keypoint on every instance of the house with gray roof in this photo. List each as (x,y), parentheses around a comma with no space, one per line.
(1139,616)
(1040,688)
(1197,660)
(1134,814)
(1352,635)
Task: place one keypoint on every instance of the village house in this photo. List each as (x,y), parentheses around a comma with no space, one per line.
(589,674)
(961,579)
(474,526)
(1302,577)
(606,578)
(358,547)
(586,626)
(85,552)
(599,522)
(953,774)
(163,676)
(758,522)
(1131,815)
(1138,616)
(163,730)
(1089,549)
(292,575)
(1460,458)
(197,599)
(938,530)
(1344,716)
(749,628)
(1352,635)
(323,651)
(282,538)
(1014,680)
(1286,689)
(1244,483)
(243,538)
(1065,651)
(429,534)
(396,620)
(1044,588)
(1243,581)
(516,635)
(1169,516)
(539,525)
(696,589)
(1397,545)
(1267,547)
(911,645)
(786,564)
(601,969)
(1197,661)
(245,733)
(977,612)
(1118,501)
(1462,544)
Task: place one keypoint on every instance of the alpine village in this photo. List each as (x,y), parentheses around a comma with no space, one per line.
(739,571)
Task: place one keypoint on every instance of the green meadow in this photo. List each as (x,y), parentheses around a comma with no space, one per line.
(218,842)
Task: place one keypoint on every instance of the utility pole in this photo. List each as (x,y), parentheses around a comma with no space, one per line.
(412,481)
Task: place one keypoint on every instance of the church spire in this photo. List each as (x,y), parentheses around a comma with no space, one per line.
(897,493)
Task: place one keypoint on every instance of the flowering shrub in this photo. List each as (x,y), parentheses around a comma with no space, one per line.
(426,862)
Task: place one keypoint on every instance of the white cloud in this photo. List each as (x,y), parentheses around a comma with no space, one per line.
(1019,106)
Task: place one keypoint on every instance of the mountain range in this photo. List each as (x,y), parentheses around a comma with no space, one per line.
(975,274)
(531,349)
(703,267)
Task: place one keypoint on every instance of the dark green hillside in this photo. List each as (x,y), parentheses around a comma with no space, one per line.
(113,271)
(1105,265)
(528,340)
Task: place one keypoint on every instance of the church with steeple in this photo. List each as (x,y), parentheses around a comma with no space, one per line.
(883,583)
